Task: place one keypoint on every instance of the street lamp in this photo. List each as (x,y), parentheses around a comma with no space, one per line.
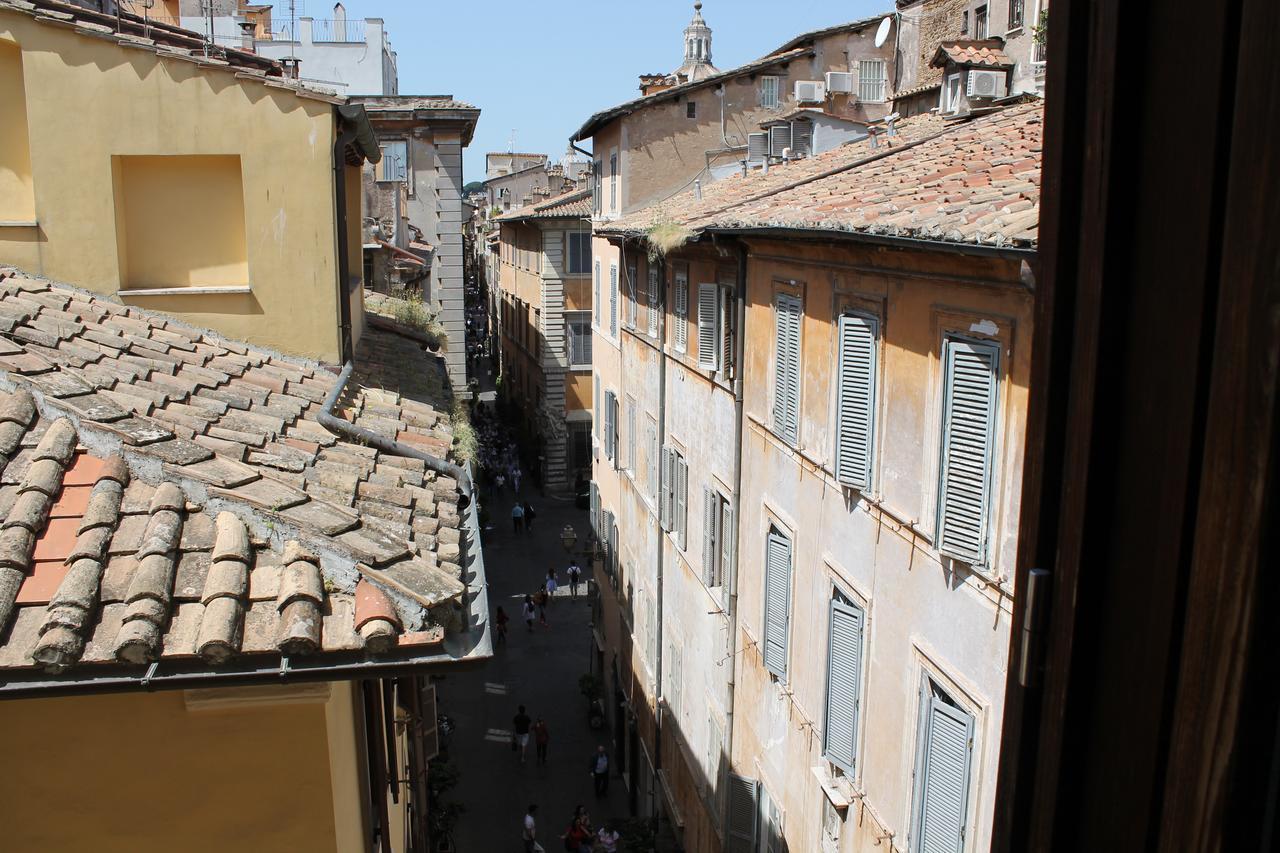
(568,538)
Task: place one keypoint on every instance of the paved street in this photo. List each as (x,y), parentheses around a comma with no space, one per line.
(539,670)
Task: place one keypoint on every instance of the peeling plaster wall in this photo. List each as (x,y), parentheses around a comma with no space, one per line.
(922,616)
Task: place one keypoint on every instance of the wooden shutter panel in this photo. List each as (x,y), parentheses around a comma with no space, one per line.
(595,509)
(609,434)
(681,521)
(708,322)
(653,484)
(726,331)
(682,312)
(968,432)
(777,594)
(430,723)
(613,300)
(595,404)
(728,536)
(786,379)
(664,487)
(631,436)
(654,285)
(710,517)
(944,789)
(844,671)
(742,814)
(855,410)
(598,303)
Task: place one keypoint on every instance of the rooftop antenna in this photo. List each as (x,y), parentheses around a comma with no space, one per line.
(511,145)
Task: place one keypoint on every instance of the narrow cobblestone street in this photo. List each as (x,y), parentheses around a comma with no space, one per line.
(539,670)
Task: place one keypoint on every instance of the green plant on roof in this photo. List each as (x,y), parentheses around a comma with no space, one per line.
(465,443)
(664,236)
(410,310)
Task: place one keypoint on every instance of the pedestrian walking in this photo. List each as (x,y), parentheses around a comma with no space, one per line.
(540,599)
(551,586)
(577,838)
(515,479)
(520,728)
(529,516)
(608,839)
(529,832)
(600,771)
(529,612)
(517,516)
(541,737)
(500,620)
(499,480)
(575,575)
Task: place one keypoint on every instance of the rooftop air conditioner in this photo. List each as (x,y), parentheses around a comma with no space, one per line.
(839,81)
(811,91)
(779,139)
(757,148)
(802,137)
(986,84)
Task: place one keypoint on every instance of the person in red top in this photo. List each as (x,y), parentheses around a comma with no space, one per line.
(500,620)
(541,737)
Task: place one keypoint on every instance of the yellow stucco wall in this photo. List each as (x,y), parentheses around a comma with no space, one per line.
(142,772)
(90,102)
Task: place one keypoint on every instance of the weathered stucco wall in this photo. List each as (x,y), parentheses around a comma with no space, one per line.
(88,101)
(144,772)
(925,614)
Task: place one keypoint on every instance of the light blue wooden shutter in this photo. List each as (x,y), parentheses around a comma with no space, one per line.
(598,303)
(595,404)
(652,451)
(777,600)
(786,370)
(665,487)
(613,299)
(654,284)
(944,787)
(742,814)
(708,327)
(710,518)
(844,674)
(610,426)
(682,311)
(595,510)
(631,437)
(968,433)
(681,503)
(728,537)
(855,411)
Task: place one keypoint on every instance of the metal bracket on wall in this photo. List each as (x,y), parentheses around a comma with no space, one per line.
(1031,653)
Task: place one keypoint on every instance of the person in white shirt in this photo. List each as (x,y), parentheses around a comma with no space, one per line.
(575,575)
(530,833)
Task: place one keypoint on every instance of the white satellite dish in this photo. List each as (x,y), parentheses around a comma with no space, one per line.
(882,34)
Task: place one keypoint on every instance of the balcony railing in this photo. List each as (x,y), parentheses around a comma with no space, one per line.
(1038,52)
(340,31)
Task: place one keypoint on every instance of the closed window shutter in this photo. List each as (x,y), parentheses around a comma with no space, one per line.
(742,814)
(726,332)
(777,595)
(631,436)
(597,303)
(708,322)
(944,788)
(855,411)
(629,304)
(844,674)
(595,405)
(608,425)
(654,487)
(613,300)
(786,376)
(710,517)
(595,510)
(653,300)
(681,521)
(968,432)
(682,312)
(728,535)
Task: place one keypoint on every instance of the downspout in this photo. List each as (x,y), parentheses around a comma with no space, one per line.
(739,351)
(662,543)
(345,138)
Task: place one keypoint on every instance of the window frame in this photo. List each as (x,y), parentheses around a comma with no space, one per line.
(380,168)
(776,531)
(840,599)
(1017,15)
(581,319)
(691,109)
(788,432)
(576,262)
(878,85)
(768,82)
(982,22)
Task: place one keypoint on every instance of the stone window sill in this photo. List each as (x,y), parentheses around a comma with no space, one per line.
(186,291)
(18,223)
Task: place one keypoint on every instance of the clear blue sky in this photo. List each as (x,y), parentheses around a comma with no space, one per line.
(543,67)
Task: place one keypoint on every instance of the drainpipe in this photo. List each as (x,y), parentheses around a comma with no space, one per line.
(333,423)
(739,350)
(344,138)
(662,435)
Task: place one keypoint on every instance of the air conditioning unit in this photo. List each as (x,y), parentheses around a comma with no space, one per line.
(811,91)
(839,81)
(779,139)
(986,84)
(757,148)
(802,138)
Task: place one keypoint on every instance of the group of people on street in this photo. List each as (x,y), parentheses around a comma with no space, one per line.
(497,453)
(521,727)
(535,604)
(579,837)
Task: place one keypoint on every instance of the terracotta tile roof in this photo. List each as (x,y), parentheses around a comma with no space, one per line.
(375,103)
(685,208)
(169,495)
(814,35)
(985,53)
(131,31)
(601,118)
(575,204)
(972,182)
